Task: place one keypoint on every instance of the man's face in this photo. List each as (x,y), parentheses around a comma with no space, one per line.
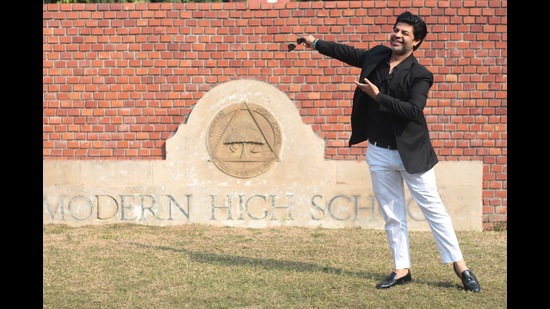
(402,39)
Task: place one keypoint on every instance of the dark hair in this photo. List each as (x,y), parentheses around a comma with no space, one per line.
(419,26)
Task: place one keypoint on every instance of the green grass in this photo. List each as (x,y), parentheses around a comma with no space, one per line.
(199,266)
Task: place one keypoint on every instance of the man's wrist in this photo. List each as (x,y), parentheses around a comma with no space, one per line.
(315,43)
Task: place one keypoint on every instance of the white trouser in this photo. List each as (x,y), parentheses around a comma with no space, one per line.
(387,175)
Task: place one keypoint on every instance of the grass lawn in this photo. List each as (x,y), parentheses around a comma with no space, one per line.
(199,266)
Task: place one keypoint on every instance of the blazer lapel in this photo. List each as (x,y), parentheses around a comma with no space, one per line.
(402,70)
(373,62)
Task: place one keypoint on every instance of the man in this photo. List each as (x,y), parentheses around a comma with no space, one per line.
(387,111)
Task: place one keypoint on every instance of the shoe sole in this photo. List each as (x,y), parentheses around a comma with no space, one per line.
(387,287)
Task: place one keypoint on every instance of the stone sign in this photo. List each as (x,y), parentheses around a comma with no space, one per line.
(244,158)
(244,140)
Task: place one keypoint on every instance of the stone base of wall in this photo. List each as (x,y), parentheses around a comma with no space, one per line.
(243,159)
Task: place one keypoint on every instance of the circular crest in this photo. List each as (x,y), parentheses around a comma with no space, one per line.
(244,140)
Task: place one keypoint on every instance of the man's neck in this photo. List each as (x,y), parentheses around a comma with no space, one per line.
(397,58)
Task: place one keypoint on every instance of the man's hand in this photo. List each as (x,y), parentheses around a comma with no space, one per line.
(368,88)
(308,40)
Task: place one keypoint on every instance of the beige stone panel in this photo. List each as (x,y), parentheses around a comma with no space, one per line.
(300,162)
(460,187)
(61,173)
(459,184)
(98,172)
(330,206)
(352,172)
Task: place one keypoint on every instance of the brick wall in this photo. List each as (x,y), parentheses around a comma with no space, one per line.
(118,79)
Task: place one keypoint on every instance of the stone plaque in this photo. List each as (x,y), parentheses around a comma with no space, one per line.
(244,140)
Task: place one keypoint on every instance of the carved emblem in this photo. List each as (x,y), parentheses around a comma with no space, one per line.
(244,140)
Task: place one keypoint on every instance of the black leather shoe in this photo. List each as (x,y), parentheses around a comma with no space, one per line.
(392,280)
(469,280)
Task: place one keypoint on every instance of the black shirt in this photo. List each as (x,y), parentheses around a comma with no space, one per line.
(378,123)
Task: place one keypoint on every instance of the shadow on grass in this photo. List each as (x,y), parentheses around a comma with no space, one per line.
(228,260)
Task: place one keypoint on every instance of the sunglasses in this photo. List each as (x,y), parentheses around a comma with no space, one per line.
(292,46)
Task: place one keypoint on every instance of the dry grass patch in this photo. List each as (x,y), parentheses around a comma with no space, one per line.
(198,266)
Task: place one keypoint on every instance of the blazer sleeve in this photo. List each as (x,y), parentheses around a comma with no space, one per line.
(345,53)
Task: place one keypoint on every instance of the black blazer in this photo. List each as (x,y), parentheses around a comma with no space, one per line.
(405,102)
